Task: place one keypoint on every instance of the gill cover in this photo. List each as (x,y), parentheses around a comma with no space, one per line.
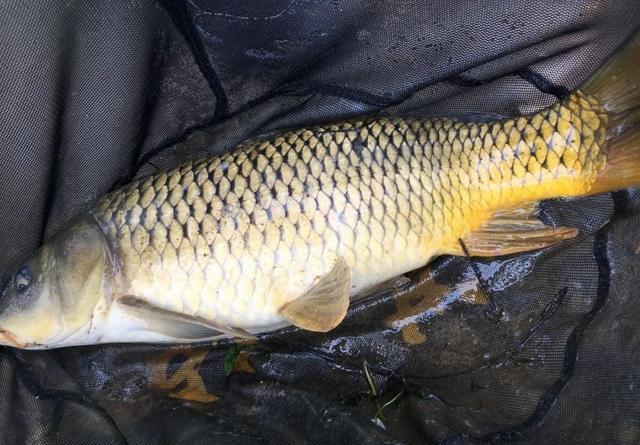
(82,263)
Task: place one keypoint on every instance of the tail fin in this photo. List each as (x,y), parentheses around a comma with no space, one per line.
(617,86)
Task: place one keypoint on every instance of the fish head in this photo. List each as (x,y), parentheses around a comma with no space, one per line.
(51,300)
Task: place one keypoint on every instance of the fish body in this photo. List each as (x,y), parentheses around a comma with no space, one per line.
(234,238)
(285,230)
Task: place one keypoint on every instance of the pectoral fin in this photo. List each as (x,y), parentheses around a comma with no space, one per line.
(324,306)
(175,324)
(514,231)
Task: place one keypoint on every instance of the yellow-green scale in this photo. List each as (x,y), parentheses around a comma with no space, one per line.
(235,237)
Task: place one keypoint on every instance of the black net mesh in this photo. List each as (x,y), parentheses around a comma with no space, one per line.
(94,94)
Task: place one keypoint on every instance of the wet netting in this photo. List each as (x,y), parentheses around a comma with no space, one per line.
(540,348)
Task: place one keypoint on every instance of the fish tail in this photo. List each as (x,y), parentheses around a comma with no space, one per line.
(617,87)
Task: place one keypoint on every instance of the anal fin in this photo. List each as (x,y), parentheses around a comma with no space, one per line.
(324,306)
(514,231)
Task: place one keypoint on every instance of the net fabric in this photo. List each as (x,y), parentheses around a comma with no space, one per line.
(96,94)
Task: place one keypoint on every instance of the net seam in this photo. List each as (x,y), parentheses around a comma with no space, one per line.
(180,17)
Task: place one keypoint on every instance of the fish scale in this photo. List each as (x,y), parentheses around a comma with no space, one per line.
(233,238)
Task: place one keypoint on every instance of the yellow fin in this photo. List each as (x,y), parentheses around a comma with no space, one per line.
(514,231)
(324,306)
(617,83)
(617,86)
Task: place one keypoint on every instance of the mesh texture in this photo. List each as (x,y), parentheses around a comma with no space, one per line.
(96,94)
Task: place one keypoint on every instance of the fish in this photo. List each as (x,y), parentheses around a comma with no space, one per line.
(288,229)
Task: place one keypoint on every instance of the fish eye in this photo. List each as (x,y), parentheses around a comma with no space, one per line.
(23,278)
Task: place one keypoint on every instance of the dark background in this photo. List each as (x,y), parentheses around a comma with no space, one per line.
(96,93)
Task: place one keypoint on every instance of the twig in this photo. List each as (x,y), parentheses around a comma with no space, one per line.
(496,311)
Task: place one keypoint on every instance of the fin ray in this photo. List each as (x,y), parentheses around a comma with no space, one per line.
(324,306)
(514,231)
(617,86)
(174,324)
